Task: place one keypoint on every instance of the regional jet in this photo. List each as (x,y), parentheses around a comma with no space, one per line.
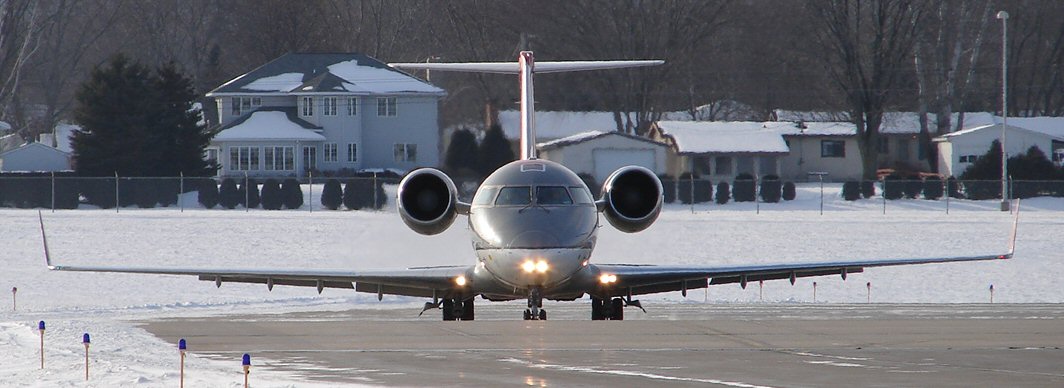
(534,225)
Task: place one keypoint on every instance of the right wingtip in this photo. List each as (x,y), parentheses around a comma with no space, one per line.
(1015,228)
(44,239)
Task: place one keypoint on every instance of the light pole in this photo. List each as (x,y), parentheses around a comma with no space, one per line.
(1004,16)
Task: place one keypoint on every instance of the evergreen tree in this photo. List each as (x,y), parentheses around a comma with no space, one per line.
(495,150)
(250,193)
(208,193)
(271,195)
(462,152)
(228,194)
(138,123)
(332,195)
(291,194)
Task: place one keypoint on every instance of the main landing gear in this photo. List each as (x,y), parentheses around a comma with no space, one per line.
(535,311)
(609,309)
(457,310)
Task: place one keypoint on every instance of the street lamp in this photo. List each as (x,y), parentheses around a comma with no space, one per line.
(1004,16)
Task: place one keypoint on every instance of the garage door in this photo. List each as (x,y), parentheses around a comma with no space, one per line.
(608,160)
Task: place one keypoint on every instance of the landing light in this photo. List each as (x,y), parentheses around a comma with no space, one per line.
(460,281)
(542,266)
(607,278)
(528,266)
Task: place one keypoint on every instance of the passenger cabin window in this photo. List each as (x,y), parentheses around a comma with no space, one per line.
(553,195)
(581,196)
(514,196)
(485,196)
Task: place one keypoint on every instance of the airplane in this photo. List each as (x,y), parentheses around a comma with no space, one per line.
(534,225)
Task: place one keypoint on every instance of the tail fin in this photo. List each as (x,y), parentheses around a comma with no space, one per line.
(525,67)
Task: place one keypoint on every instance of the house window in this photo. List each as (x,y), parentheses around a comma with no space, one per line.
(969,158)
(352,106)
(386,106)
(236,106)
(405,152)
(723,164)
(832,149)
(244,158)
(328,106)
(211,156)
(279,159)
(310,158)
(352,152)
(330,152)
(245,104)
(308,106)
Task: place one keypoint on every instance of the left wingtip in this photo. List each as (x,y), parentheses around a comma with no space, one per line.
(44,239)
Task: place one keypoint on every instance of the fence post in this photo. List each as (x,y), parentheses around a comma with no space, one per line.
(246,195)
(53,191)
(310,199)
(945,189)
(117,199)
(375,199)
(884,192)
(757,196)
(181,191)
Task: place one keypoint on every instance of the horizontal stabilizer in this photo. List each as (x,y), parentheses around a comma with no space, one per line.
(515,68)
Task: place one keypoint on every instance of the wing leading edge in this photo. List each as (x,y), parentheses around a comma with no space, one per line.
(421,282)
(634,279)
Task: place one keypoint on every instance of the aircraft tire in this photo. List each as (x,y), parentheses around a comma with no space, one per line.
(596,309)
(617,309)
(448,310)
(543,315)
(528,315)
(467,310)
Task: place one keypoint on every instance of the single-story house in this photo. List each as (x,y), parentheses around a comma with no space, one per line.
(600,153)
(35,157)
(325,111)
(958,150)
(820,147)
(721,150)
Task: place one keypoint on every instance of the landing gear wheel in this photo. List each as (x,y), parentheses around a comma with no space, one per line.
(528,315)
(596,309)
(617,309)
(467,310)
(543,315)
(448,310)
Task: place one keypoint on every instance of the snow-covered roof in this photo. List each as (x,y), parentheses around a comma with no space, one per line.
(268,125)
(556,125)
(997,127)
(302,73)
(893,122)
(33,145)
(11,141)
(1052,126)
(4,126)
(590,135)
(696,137)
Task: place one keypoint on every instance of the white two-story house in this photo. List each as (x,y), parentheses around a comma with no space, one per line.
(325,112)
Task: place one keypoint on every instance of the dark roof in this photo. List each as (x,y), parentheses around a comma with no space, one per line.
(314,68)
(289,111)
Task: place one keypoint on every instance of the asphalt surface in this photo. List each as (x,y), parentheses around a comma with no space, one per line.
(758,345)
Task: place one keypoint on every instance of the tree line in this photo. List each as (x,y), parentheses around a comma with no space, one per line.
(858,57)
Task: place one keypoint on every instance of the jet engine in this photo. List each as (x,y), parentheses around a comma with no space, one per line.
(632,198)
(427,200)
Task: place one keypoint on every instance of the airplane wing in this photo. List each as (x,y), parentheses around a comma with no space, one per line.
(635,279)
(420,281)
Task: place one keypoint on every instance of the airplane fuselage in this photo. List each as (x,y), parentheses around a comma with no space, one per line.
(534,224)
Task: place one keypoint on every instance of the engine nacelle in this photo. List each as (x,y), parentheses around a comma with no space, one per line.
(427,201)
(632,198)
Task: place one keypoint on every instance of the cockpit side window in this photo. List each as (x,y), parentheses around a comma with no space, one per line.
(553,195)
(514,196)
(581,196)
(485,196)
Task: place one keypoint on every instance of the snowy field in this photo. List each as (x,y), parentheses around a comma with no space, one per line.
(106,305)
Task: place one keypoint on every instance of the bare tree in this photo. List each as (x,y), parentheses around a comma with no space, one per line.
(1036,51)
(867,47)
(21,22)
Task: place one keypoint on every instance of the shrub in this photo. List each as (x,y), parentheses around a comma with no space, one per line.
(980,190)
(851,191)
(703,189)
(360,194)
(332,195)
(893,187)
(913,186)
(228,195)
(868,189)
(743,189)
(145,193)
(770,189)
(249,192)
(99,191)
(789,191)
(208,193)
(952,188)
(933,188)
(292,193)
(271,195)
(723,192)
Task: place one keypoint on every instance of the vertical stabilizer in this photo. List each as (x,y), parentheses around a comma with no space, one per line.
(528,101)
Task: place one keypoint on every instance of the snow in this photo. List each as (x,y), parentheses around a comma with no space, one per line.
(723,137)
(571,139)
(556,125)
(108,306)
(369,79)
(278,83)
(268,125)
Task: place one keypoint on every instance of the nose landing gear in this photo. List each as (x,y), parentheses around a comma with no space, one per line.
(535,311)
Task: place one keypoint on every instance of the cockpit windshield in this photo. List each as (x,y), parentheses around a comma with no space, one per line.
(485,196)
(552,195)
(514,196)
(581,196)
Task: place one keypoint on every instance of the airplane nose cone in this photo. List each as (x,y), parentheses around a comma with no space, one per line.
(534,239)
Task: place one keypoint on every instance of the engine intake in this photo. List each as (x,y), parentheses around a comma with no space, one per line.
(632,198)
(427,201)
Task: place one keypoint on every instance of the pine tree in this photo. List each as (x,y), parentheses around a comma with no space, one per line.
(332,194)
(495,150)
(462,152)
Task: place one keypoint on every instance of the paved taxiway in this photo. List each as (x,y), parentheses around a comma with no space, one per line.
(759,345)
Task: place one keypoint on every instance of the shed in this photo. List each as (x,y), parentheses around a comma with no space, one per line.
(34,157)
(600,153)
